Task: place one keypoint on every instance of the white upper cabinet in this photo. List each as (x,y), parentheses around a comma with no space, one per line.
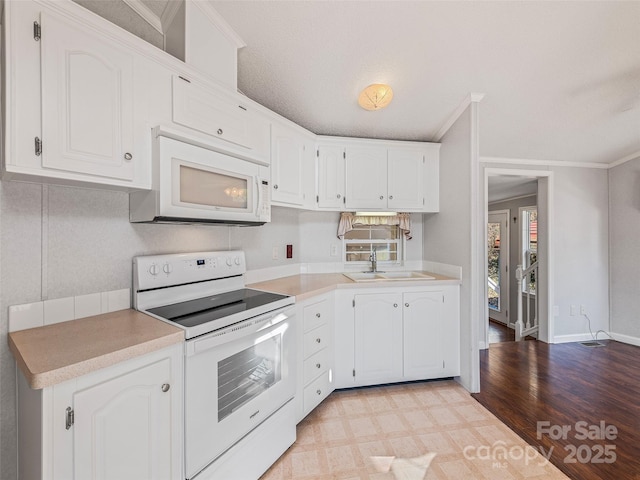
(405,179)
(71,101)
(87,102)
(222,117)
(366,177)
(288,156)
(331,177)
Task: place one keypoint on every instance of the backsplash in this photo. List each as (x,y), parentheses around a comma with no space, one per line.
(48,312)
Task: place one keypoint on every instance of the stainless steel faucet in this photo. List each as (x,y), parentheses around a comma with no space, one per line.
(373,258)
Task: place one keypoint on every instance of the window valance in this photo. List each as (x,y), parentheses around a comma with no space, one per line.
(348,219)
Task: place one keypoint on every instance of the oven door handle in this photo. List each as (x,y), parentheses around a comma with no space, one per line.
(260,324)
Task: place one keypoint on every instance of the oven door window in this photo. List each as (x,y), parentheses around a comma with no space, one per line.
(248,373)
(213,189)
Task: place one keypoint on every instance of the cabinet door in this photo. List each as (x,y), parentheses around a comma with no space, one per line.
(366,177)
(378,338)
(405,179)
(202,108)
(423,340)
(287,159)
(331,175)
(87,102)
(123,426)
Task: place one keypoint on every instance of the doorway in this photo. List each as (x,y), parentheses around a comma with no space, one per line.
(509,189)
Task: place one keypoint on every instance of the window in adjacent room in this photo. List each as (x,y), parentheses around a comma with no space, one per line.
(529,242)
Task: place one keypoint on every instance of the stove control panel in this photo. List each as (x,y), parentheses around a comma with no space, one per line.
(154,271)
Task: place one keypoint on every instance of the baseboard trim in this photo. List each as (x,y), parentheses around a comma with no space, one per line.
(626,339)
(578,337)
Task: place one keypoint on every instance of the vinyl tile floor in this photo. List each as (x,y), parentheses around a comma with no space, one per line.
(393,432)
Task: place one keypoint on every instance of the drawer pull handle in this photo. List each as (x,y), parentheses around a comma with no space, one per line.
(318,340)
(395,305)
(390,197)
(165,387)
(338,196)
(406,304)
(318,365)
(219,131)
(381,197)
(319,392)
(128,156)
(318,315)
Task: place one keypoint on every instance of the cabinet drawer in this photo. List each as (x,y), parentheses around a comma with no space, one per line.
(315,315)
(315,340)
(316,391)
(315,365)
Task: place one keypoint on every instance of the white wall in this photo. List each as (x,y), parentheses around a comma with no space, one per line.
(624,225)
(447,236)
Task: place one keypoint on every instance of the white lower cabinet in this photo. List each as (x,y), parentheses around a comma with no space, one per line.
(378,337)
(122,422)
(393,335)
(315,355)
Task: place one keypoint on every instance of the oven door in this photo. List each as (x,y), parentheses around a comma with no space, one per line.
(236,377)
(203,184)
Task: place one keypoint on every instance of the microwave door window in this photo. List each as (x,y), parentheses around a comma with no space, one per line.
(213,189)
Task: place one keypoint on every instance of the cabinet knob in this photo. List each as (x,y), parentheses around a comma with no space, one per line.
(390,197)
(275,187)
(395,305)
(165,387)
(406,304)
(338,196)
(319,392)
(381,197)
(128,156)
(318,315)
(318,365)
(318,340)
(220,131)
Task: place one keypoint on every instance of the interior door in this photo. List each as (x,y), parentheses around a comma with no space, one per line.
(498,266)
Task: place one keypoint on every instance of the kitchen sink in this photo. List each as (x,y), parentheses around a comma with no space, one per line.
(387,276)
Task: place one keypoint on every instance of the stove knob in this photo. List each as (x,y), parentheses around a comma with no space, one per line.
(229,261)
(167,268)
(153,269)
(237,260)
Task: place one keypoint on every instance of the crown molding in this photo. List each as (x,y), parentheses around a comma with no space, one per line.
(625,159)
(470,98)
(146,14)
(546,163)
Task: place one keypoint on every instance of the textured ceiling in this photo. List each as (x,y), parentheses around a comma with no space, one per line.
(562,79)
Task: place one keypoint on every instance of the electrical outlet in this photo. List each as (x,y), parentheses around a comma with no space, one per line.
(583,310)
(274,253)
(574,310)
(334,250)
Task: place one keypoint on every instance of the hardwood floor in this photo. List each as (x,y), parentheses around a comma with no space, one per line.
(524,383)
(499,332)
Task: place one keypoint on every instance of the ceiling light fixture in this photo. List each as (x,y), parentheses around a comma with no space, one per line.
(375,97)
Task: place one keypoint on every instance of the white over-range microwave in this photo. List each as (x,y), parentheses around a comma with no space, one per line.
(195,184)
